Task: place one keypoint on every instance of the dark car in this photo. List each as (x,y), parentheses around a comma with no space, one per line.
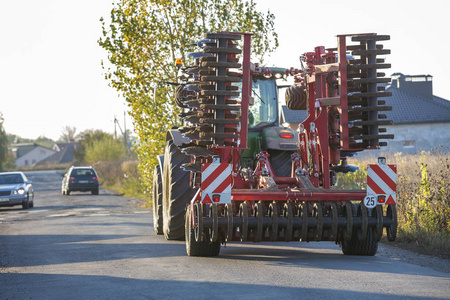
(80,179)
(16,189)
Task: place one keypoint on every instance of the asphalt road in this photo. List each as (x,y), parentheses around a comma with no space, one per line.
(104,247)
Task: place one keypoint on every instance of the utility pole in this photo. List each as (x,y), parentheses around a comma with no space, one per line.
(125,140)
(124,132)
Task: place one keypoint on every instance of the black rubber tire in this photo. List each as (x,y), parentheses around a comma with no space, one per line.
(94,192)
(281,162)
(194,248)
(179,96)
(177,192)
(26,204)
(68,192)
(355,246)
(296,97)
(157,200)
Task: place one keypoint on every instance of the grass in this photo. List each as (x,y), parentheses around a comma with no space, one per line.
(423,198)
(122,177)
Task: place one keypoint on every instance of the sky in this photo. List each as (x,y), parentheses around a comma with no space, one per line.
(51,76)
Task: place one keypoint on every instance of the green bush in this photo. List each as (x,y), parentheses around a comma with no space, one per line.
(105,149)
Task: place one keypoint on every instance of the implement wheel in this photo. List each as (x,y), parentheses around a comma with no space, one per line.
(157,201)
(363,213)
(378,230)
(177,192)
(318,213)
(304,215)
(334,221)
(288,214)
(194,248)
(273,213)
(391,231)
(259,214)
(348,231)
(230,229)
(355,246)
(243,230)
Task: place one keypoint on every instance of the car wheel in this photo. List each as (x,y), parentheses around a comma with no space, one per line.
(94,192)
(26,204)
(67,192)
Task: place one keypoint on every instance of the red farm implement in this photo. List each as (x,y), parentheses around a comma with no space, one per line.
(232,173)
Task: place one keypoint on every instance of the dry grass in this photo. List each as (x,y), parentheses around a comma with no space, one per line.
(423,198)
(42,167)
(122,177)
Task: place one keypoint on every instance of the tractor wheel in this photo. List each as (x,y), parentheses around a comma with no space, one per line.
(296,98)
(355,246)
(203,248)
(177,192)
(281,162)
(157,201)
(179,95)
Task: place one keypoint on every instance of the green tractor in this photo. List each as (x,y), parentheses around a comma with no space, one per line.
(172,188)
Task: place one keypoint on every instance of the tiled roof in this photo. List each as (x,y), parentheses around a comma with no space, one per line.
(408,108)
(61,157)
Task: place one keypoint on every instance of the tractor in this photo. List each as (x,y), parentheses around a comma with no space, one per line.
(232,173)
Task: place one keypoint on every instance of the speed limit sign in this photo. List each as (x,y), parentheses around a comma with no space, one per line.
(370,201)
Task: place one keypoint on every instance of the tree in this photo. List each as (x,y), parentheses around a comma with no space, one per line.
(3,144)
(45,142)
(146,36)
(68,134)
(86,139)
(105,149)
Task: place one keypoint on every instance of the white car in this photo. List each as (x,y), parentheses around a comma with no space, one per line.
(16,189)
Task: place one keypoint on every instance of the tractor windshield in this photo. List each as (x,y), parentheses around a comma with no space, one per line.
(264,110)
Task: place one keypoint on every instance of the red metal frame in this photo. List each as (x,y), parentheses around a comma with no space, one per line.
(320,139)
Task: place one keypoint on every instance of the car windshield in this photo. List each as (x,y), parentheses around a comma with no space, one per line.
(264,109)
(82,172)
(11,179)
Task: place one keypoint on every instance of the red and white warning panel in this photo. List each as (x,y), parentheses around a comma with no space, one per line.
(381,185)
(216,183)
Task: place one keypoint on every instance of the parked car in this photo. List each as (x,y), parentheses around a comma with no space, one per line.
(80,179)
(16,189)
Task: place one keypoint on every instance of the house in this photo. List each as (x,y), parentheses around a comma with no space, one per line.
(64,154)
(27,154)
(421,121)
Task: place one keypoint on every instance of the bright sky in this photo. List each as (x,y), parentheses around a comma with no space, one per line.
(50,60)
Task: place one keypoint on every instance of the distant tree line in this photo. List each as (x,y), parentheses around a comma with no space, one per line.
(93,145)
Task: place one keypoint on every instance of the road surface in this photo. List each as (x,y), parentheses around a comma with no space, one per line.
(104,247)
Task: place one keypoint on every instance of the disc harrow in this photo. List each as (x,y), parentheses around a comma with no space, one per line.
(364,92)
(239,193)
(211,109)
(293,221)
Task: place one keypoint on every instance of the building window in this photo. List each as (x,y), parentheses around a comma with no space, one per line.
(409,144)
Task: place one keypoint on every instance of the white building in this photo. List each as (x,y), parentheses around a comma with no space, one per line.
(30,153)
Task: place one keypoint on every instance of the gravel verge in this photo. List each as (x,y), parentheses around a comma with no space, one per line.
(432,262)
